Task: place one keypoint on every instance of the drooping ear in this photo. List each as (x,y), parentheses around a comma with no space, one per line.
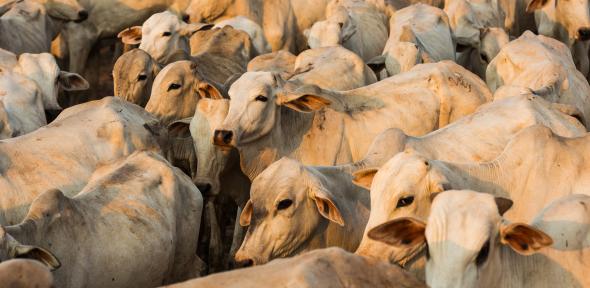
(207,90)
(364,178)
(503,204)
(246,215)
(192,28)
(37,253)
(180,128)
(348,31)
(535,5)
(326,206)
(72,81)
(524,239)
(305,98)
(131,35)
(403,231)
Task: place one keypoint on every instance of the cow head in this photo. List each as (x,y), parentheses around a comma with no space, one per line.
(403,187)
(177,89)
(332,32)
(288,203)
(133,75)
(12,249)
(463,238)
(257,102)
(42,68)
(162,35)
(573,16)
(207,10)
(491,42)
(67,10)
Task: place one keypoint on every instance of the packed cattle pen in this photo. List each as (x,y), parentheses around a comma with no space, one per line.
(294,143)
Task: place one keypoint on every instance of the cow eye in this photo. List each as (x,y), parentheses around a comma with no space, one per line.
(261,98)
(485,58)
(166,34)
(403,202)
(173,86)
(141,77)
(482,256)
(284,204)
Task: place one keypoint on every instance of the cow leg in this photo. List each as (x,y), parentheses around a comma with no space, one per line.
(238,237)
(80,40)
(215,243)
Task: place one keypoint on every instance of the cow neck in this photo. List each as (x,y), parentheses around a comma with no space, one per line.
(283,140)
(488,177)
(350,201)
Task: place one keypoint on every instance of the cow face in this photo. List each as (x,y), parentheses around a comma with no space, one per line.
(492,40)
(573,16)
(403,187)
(288,204)
(338,29)
(133,75)
(206,10)
(212,161)
(42,68)
(176,91)
(162,36)
(256,107)
(11,249)
(67,10)
(463,238)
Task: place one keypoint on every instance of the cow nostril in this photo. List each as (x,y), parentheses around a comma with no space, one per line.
(82,15)
(204,188)
(584,34)
(186,18)
(222,137)
(245,263)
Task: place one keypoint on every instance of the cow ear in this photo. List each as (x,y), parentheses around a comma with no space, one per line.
(72,81)
(246,215)
(364,178)
(524,239)
(325,205)
(348,31)
(206,90)
(192,28)
(306,103)
(535,5)
(180,128)
(37,253)
(131,35)
(403,231)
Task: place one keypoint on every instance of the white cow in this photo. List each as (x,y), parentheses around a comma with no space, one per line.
(568,22)
(331,267)
(544,65)
(326,127)
(553,167)
(295,208)
(97,133)
(418,34)
(355,25)
(29,26)
(252,28)
(162,36)
(135,224)
(25,273)
(470,244)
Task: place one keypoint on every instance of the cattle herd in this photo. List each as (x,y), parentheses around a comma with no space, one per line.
(295,143)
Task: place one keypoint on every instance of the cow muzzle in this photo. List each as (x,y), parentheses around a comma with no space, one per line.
(223,137)
(584,34)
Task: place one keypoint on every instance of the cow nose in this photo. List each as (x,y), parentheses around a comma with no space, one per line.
(222,137)
(82,15)
(244,263)
(584,34)
(205,188)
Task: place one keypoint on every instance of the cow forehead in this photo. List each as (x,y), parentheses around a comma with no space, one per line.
(165,21)
(252,83)
(280,177)
(173,72)
(465,218)
(401,166)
